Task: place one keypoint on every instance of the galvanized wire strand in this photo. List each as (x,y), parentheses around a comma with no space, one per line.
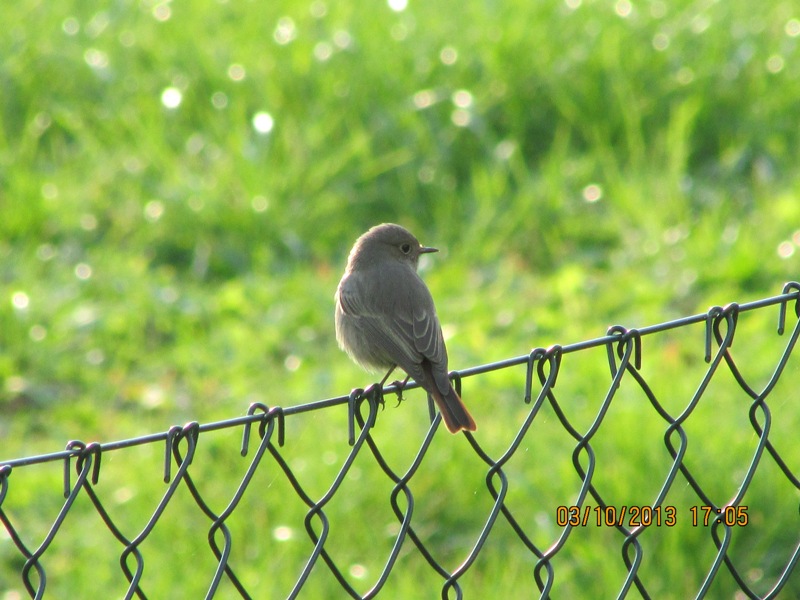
(542,369)
(782,299)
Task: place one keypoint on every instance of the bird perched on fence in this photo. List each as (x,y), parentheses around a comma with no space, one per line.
(385,317)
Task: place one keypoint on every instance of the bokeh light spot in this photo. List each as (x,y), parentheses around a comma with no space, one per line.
(88,222)
(318,9)
(700,23)
(462,99)
(71,26)
(283,533)
(285,31)
(786,250)
(20,300)
(292,362)
(259,204)
(775,63)
(46,252)
(236,72)
(424,99)
(592,193)
(219,100)
(37,333)
(399,32)
(171,98)
(196,203)
(505,149)
(623,8)
(95,356)
(342,39)
(661,41)
(162,12)
(263,122)
(685,76)
(16,384)
(426,174)
(448,55)
(461,117)
(83,271)
(97,59)
(358,571)
(323,51)
(398,5)
(153,210)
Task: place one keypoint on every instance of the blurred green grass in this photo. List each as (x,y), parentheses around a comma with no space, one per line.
(180,184)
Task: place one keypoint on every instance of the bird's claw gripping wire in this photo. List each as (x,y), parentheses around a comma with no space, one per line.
(399,387)
(371,391)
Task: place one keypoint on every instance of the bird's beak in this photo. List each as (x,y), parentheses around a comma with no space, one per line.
(426,250)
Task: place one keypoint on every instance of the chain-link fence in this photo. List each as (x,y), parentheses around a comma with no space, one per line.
(668,473)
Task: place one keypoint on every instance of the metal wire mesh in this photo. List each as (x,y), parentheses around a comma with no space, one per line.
(762,570)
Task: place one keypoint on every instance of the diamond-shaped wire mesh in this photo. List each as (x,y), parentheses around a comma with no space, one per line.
(693,492)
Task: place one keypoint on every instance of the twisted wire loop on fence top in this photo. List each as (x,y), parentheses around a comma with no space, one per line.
(543,366)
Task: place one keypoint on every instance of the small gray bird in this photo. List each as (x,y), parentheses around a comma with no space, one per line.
(385,317)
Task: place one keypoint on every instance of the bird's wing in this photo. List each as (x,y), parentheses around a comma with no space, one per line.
(422,328)
(427,335)
(419,327)
(406,324)
(429,342)
(390,333)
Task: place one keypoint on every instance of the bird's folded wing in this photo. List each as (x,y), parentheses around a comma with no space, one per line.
(409,337)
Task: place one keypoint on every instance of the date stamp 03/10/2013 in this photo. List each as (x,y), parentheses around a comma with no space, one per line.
(645,516)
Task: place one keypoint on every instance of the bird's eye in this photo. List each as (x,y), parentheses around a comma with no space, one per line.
(405,248)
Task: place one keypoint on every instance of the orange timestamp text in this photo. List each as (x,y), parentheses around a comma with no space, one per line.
(646,516)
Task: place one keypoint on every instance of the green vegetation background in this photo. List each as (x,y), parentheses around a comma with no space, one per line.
(180,184)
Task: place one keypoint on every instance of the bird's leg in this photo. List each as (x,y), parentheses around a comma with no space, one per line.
(396,383)
(385,377)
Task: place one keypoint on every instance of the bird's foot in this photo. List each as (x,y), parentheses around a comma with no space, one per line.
(400,385)
(377,391)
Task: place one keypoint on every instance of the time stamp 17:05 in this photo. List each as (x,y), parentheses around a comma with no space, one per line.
(645,516)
